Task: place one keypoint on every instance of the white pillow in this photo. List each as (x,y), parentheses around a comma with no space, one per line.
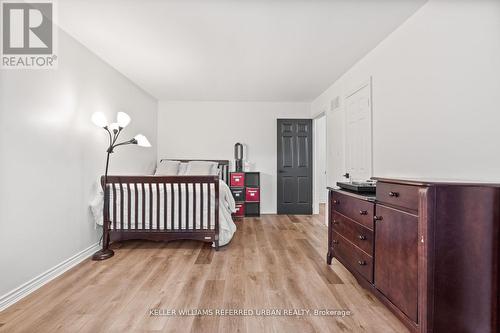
(202,168)
(167,168)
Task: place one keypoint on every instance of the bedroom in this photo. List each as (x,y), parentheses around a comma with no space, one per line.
(401,91)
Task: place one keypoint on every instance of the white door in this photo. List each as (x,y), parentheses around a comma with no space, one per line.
(335,147)
(359,133)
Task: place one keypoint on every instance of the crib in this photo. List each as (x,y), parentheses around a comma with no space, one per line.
(159,208)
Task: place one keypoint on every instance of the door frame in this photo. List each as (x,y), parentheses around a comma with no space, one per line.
(315,153)
(311,166)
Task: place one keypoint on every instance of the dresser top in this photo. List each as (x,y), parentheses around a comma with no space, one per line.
(414,182)
(361,196)
(435,182)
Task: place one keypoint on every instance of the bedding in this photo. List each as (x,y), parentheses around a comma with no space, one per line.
(168,168)
(199,168)
(182,169)
(226,207)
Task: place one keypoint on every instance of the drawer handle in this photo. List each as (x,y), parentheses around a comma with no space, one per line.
(363,212)
(336,202)
(377,218)
(335,241)
(335,222)
(394,194)
(362,237)
(362,263)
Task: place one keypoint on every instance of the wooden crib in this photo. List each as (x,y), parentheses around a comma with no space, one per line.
(161,208)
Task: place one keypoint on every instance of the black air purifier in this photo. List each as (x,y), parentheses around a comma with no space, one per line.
(238,157)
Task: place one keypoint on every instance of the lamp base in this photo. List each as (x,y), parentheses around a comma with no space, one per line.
(103,255)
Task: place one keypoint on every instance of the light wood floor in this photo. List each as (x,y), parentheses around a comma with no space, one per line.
(273,262)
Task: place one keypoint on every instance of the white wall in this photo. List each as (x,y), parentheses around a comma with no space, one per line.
(51,156)
(436,82)
(210,130)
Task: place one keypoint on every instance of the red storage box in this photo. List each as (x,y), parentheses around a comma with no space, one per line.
(237,179)
(252,194)
(240,210)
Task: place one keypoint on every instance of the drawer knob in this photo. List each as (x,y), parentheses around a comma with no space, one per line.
(394,194)
(336,202)
(335,222)
(363,212)
(362,263)
(335,241)
(377,218)
(362,237)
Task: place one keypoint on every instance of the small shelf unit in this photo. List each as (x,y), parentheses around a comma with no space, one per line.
(245,187)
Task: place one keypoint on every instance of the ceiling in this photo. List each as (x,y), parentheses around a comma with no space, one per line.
(233,50)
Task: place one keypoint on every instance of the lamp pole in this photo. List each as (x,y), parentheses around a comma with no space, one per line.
(106,252)
(113,131)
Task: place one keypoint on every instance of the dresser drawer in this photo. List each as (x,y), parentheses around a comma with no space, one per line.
(237,179)
(240,210)
(354,232)
(352,256)
(252,194)
(404,196)
(238,194)
(359,210)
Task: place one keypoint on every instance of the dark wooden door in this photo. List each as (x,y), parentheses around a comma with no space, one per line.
(294,166)
(396,258)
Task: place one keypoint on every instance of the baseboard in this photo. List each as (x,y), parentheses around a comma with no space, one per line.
(35,283)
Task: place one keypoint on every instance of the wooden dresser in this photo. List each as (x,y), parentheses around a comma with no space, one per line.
(428,250)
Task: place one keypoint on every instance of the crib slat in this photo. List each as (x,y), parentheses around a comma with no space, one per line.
(209,207)
(136,204)
(129,217)
(165,208)
(157,206)
(179,197)
(143,206)
(216,213)
(172,206)
(202,199)
(195,220)
(187,205)
(121,206)
(150,206)
(114,206)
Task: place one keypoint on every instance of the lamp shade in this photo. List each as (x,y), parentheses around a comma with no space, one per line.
(142,140)
(99,119)
(122,119)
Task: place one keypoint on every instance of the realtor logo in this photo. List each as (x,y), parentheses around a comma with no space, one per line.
(28,35)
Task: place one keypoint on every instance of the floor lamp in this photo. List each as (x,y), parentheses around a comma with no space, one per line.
(113,130)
